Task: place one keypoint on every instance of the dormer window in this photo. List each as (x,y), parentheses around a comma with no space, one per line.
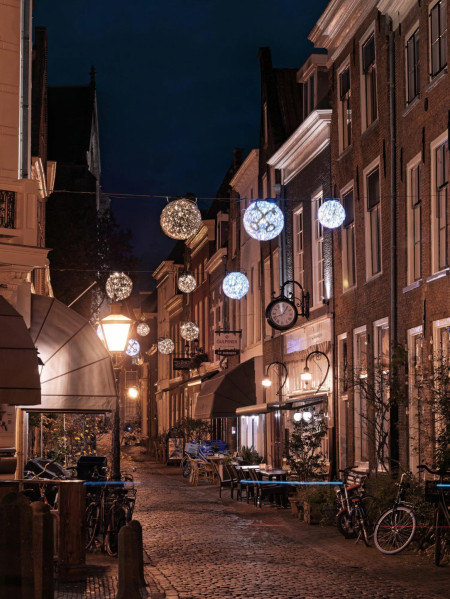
(221,230)
(309,95)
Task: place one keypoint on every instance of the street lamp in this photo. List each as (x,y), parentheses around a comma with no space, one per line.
(306,375)
(266,382)
(115,329)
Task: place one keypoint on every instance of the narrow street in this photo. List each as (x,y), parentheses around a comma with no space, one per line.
(201,546)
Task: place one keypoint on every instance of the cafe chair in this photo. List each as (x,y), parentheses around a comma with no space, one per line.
(248,487)
(272,492)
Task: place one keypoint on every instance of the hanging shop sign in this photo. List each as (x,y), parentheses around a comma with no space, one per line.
(182,363)
(227,343)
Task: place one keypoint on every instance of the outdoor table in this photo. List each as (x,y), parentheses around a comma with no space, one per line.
(274,474)
(219,461)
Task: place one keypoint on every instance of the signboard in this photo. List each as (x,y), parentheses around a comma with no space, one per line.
(182,363)
(227,343)
(176,447)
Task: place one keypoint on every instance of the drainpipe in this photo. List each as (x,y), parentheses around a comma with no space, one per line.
(25,88)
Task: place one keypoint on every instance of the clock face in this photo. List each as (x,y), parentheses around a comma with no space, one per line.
(281,314)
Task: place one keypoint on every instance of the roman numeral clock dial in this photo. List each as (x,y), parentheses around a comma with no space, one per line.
(281,313)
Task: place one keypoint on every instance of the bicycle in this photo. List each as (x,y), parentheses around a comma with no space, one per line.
(395,528)
(435,493)
(356,509)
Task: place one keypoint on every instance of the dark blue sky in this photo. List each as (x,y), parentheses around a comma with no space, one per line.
(178,88)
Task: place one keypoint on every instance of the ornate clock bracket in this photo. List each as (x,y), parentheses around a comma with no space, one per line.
(302,302)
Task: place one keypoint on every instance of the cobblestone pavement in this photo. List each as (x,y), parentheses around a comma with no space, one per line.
(203,547)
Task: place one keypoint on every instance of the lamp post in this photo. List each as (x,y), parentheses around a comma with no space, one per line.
(266,382)
(307,376)
(116,328)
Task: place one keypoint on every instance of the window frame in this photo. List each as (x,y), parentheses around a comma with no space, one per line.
(345,138)
(414,442)
(414,210)
(436,263)
(361,445)
(368,222)
(414,32)
(299,254)
(442,66)
(344,237)
(368,76)
(318,265)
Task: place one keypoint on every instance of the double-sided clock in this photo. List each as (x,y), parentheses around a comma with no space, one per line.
(282,313)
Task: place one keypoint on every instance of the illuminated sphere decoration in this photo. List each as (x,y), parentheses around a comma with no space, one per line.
(263,220)
(119,286)
(331,214)
(143,329)
(189,331)
(235,285)
(180,219)
(165,345)
(133,348)
(186,282)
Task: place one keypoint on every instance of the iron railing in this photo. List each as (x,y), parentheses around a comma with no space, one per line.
(7,209)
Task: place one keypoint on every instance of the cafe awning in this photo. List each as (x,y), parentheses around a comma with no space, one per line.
(77,375)
(19,374)
(230,389)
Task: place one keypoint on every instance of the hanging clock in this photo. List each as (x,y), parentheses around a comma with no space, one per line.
(282,313)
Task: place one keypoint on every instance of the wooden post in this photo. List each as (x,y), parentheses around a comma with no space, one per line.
(16,559)
(137,529)
(72,508)
(42,551)
(128,565)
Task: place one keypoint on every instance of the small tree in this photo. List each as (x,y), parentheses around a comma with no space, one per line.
(191,429)
(305,454)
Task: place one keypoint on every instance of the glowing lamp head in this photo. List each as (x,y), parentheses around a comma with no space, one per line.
(331,214)
(306,376)
(263,220)
(186,282)
(133,393)
(266,382)
(165,345)
(115,329)
(297,416)
(235,285)
(307,415)
(180,219)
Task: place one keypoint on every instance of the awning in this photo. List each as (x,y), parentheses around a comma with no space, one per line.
(19,374)
(77,373)
(230,389)
(261,408)
(298,402)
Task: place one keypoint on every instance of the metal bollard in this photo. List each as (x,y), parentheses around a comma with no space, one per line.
(135,525)
(42,551)
(128,565)
(16,558)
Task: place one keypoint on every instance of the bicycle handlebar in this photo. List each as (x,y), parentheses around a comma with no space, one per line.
(437,472)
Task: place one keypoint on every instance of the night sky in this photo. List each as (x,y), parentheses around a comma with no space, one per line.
(178,88)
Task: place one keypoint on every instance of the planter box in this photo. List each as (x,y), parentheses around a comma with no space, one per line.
(313,512)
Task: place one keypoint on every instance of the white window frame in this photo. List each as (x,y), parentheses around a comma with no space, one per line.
(382,323)
(299,246)
(415,29)
(345,234)
(342,402)
(430,56)
(317,250)
(438,325)
(309,102)
(361,442)
(364,124)
(414,436)
(413,211)
(375,164)
(345,140)
(434,145)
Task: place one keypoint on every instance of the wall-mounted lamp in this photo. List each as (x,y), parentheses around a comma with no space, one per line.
(266,382)
(307,376)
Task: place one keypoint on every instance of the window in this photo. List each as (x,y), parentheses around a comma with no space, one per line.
(412,67)
(415,342)
(360,400)
(343,370)
(343,385)
(369,76)
(345,112)
(257,303)
(348,242)
(308,95)
(299,245)
(373,224)
(317,231)
(438,37)
(441,158)
(414,222)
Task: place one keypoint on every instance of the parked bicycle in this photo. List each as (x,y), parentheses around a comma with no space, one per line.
(356,509)
(395,528)
(439,495)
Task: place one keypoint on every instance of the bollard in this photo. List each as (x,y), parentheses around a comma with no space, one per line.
(128,565)
(42,551)
(137,529)
(16,558)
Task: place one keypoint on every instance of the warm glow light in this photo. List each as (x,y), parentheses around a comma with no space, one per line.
(115,329)
(118,286)
(306,375)
(180,219)
(165,345)
(307,415)
(133,393)
(263,220)
(235,285)
(186,282)
(297,416)
(331,214)
(143,329)
(266,382)
(189,331)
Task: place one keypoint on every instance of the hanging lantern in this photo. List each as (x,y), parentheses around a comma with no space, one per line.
(133,348)
(235,285)
(186,282)
(165,345)
(263,220)
(189,331)
(143,329)
(119,286)
(180,219)
(331,214)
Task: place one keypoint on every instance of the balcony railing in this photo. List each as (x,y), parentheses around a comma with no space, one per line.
(7,209)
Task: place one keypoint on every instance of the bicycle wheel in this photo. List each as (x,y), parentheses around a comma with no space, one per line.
(441,536)
(119,515)
(394,530)
(186,469)
(92,524)
(345,525)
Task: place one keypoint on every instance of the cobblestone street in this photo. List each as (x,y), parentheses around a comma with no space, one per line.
(201,546)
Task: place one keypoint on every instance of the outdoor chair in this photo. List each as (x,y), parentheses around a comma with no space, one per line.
(225,480)
(275,493)
(248,487)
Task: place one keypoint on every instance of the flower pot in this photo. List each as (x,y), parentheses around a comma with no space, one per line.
(313,513)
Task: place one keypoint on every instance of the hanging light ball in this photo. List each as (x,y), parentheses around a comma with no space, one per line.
(186,282)
(235,285)
(331,214)
(133,348)
(189,331)
(180,219)
(143,329)
(165,345)
(263,220)
(119,286)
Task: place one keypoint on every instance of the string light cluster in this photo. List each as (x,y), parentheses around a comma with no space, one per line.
(180,219)
(133,348)
(235,285)
(143,329)
(186,282)
(118,286)
(189,331)
(165,345)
